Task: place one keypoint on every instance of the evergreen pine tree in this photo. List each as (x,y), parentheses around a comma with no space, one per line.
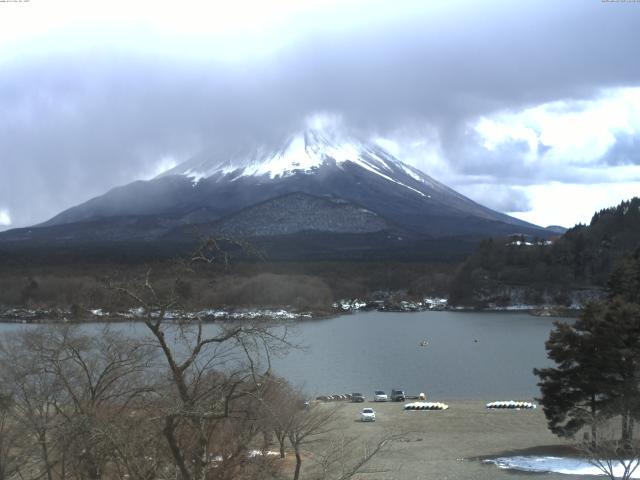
(597,372)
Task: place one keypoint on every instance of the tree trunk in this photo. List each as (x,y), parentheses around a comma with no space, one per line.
(281,447)
(93,471)
(63,463)
(200,456)
(627,429)
(594,423)
(45,455)
(296,474)
(168,432)
(594,435)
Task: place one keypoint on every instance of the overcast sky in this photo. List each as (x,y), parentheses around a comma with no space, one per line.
(529,107)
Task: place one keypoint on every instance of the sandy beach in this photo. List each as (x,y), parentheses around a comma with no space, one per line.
(449,444)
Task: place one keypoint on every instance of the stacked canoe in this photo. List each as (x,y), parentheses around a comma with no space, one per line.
(511,404)
(334,398)
(426,406)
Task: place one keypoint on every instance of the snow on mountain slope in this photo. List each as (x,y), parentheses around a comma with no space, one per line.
(305,152)
(338,165)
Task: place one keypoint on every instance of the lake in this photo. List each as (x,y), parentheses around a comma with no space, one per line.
(468,355)
(486,356)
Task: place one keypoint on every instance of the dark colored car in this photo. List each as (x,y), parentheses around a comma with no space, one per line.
(397,395)
(357,397)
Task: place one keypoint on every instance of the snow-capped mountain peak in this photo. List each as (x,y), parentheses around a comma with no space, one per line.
(318,180)
(304,153)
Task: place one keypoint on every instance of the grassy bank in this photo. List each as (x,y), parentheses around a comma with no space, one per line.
(450,444)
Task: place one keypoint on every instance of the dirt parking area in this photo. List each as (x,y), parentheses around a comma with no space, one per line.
(449,444)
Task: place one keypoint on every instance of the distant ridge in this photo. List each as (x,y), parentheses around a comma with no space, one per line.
(556,229)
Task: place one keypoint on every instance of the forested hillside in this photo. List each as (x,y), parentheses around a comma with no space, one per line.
(535,271)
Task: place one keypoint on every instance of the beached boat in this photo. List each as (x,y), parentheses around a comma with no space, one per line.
(426,406)
(511,404)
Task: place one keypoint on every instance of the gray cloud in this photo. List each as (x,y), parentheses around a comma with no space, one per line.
(625,151)
(499,197)
(513,163)
(74,125)
(505,163)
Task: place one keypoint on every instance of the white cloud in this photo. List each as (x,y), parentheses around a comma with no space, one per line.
(545,164)
(5,218)
(420,147)
(575,132)
(187,29)
(329,122)
(96,83)
(577,136)
(568,204)
(495,132)
(165,163)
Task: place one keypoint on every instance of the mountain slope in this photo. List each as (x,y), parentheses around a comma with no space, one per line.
(314,181)
(288,214)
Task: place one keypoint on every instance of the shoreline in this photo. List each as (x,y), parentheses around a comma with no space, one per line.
(25,315)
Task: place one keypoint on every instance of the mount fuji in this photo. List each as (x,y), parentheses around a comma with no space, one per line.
(316,195)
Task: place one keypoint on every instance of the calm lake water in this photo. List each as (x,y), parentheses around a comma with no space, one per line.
(487,356)
(369,351)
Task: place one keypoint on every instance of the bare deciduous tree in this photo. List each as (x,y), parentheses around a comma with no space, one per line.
(280,404)
(614,455)
(188,400)
(11,439)
(36,395)
(101,376)
(67,387)
(306,427)
(214,377)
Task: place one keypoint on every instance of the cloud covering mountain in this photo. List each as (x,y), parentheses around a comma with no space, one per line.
(486,97)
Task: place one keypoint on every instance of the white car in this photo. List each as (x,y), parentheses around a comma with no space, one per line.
(380,396)
(368,415)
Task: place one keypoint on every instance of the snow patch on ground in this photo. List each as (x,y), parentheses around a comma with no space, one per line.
(259,453)
(567,466)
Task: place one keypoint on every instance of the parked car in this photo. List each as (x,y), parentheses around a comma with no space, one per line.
(368,415)
(380,396)
(397,395)
(357,397)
